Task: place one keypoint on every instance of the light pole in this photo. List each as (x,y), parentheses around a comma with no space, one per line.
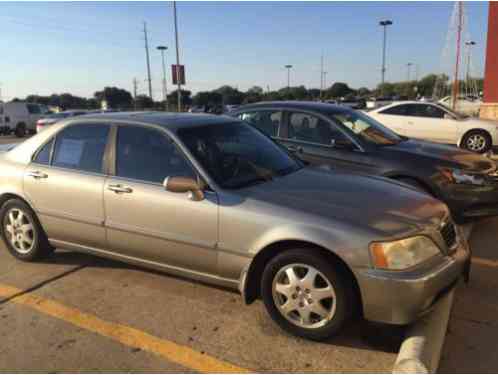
(384,24)
(408,70)
(288,67)
(165,88)
(469,45)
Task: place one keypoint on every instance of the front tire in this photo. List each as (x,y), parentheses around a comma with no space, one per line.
(20,130)
(306,295)
(477,141)
(22,233)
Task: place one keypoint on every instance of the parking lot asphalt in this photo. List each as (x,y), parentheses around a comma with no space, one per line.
(470,345)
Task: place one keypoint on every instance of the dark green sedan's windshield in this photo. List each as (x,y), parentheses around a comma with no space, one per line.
(236,155)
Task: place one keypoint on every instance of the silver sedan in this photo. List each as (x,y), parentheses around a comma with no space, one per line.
(213,199)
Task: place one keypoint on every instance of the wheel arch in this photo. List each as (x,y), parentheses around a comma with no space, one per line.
(250,285)
(4,197)
(459,144)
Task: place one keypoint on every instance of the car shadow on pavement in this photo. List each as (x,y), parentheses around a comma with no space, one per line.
(360,334)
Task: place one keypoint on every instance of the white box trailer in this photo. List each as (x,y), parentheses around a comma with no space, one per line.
(20,118)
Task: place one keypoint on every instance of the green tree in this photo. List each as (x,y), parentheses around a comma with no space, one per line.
(144,102)
(115,97)
(339,90)
(173,99)
(230,95)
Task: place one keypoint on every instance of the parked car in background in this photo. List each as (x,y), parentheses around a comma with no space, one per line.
(197,109)
(51,119)
(20,118)
(351,141)
(373,103)
(353,103)
(466,105)
(316,246)
(438,123)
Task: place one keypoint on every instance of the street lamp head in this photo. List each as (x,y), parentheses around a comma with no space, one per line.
(162,48)
(288,66)
(385,23)
(470,43)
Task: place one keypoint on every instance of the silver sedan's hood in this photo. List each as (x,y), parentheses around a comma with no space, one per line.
(364,201)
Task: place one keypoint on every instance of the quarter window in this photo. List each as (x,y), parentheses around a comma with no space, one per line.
(266,121)
(43,156)
(308,128)
(81,147)
(148,155)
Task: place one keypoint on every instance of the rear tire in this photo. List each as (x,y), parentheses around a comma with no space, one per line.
(316,303)
(22,233)
(477,141)
(20,130)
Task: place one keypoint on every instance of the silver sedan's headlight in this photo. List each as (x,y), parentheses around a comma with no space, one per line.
(402,254)
(458,176)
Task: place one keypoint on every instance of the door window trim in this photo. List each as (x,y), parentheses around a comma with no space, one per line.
(112,160)
(75,170)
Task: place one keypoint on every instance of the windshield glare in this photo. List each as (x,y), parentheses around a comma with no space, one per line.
(236,155)
(366,128)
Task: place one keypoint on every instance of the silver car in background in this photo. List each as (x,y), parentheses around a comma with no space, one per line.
(213,199)
(51,119)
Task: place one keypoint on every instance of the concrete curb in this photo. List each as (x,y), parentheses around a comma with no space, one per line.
(420,352)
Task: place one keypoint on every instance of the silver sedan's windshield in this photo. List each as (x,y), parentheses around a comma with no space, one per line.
(237,155)
(366,128)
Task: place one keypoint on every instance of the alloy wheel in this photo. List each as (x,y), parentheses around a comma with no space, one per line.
(476,142)
(19,230)
(304,296)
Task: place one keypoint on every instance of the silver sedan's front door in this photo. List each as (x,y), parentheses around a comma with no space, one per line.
(145,221)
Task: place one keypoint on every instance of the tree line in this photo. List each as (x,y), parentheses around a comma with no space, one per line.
(118,98)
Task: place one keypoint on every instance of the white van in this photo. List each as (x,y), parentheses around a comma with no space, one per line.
(20,118)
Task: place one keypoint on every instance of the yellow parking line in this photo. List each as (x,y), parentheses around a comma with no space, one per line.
(129,336)
(485,262)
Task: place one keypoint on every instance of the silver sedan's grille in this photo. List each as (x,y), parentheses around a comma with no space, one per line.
(448,232)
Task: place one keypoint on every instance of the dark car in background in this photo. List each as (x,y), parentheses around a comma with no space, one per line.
(348,140)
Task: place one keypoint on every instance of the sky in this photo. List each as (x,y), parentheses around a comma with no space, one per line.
(56,47)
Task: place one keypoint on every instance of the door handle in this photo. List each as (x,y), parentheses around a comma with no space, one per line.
(295,149)
(120,189)
(37,174)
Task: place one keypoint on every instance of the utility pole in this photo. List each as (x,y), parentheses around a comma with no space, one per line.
(135,85)
(288,67)
(384,24)
(469,45)
(324,81)
(321,77)
(148,60)
(0,92)
(165,88)
(177,61)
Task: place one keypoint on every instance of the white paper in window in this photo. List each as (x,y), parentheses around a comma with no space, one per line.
(70,152)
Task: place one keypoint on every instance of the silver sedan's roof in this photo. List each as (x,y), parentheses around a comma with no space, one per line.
(170,120)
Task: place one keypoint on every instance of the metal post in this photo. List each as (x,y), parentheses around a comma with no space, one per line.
(457,63)
(135,84)
(165,87)
(179,93)
(408,71)
(148,60)
(321,78)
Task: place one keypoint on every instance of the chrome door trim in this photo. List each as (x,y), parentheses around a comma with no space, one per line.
(71,217)
(160,235)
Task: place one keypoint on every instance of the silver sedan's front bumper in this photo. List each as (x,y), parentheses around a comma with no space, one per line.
(402,297)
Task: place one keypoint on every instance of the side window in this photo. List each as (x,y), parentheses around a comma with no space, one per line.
(412,110)
(81,147)
(399,110)
(148,155)
(266,121)
(431,111)
(34,109)
(43,155)
(308,128)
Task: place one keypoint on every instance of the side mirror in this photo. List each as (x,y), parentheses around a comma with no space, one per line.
(185,185)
